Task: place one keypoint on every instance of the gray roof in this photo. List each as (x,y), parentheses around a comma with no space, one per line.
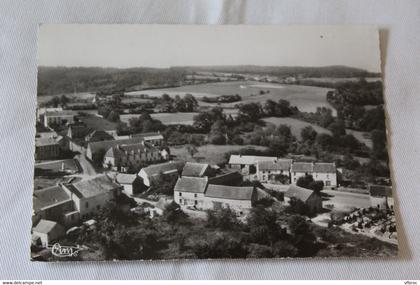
(380,191)
(92,187)
(46,226)
(105,145)
(230,192)
(191,184)
(48,197)
(194,169)
(302,167)
(249,159)
(324,167)
(124,178)
(298,193)
(63,113)
(119,150)
(165,167)
(280,164)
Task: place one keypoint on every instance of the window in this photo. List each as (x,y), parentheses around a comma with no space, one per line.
(180,194)
(195,202)
(180,201)
(195,195)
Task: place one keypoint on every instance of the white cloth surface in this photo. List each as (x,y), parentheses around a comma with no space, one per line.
(400,22)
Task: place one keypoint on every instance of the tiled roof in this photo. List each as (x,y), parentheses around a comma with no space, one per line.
(124,178)
(302,167)
(194,169)
(298,193)
(45,226)
(149,135)
(229,192)
(98,135)
(279,164)
(249,159)
(105,145)
(324,167)
(165,167)
(60,113)
(191,184)
(120,150)
(229,178)
(48,197)
(380,191)
(92,187)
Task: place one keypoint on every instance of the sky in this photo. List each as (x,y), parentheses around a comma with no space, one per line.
(125,46)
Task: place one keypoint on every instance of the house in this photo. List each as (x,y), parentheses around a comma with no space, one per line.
(121,157)
(381,196)
(58,118)
(40,112)
(194,169)
(268,170)
(131,183)
(247,163)
(96,149)
(48,147)
(77,131)
(53,203)
(166,168)
(189,191)
(323,171)
(239,199)
(47,232)
(311,198)
(327,173)
(153,138)
(90,195)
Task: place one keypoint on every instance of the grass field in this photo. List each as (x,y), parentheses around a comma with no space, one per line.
(363,137)
(166,118)
(98,123)
(213,154)
(306,98)
(295,125)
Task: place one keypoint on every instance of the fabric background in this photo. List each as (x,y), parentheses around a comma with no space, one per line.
(400,33)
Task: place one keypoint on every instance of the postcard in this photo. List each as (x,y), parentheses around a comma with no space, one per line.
(166,142)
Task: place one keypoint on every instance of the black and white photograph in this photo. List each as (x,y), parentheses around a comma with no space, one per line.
(168,142)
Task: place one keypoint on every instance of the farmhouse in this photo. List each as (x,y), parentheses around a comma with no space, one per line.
(89,196)
(194,169)
(53,203)
(381,196)
(48,147)
(236,198)
(130,182)
(166,168)
(325,172)
(311,198)
(58,118)
(268,170)
(46,232)
(121,157)
(189,191)
(95,150)
(153,138)
(247,163)
(40,112)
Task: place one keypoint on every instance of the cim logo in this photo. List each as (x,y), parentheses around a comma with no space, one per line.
(64,250)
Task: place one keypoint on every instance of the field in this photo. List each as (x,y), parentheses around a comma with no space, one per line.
(361,136)
(213,154)
(295,125)
(339,79)
(306,98)
(98,123)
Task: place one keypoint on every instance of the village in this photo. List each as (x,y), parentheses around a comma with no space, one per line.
(71,188)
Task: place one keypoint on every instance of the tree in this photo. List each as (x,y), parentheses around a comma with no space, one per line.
(113,116)
(250,112)
(308,134)
(224,219)
(173,214)
(337,128)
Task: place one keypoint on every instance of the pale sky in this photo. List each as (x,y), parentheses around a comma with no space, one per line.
(174,45)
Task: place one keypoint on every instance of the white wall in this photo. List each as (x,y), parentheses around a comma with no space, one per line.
(189,199)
